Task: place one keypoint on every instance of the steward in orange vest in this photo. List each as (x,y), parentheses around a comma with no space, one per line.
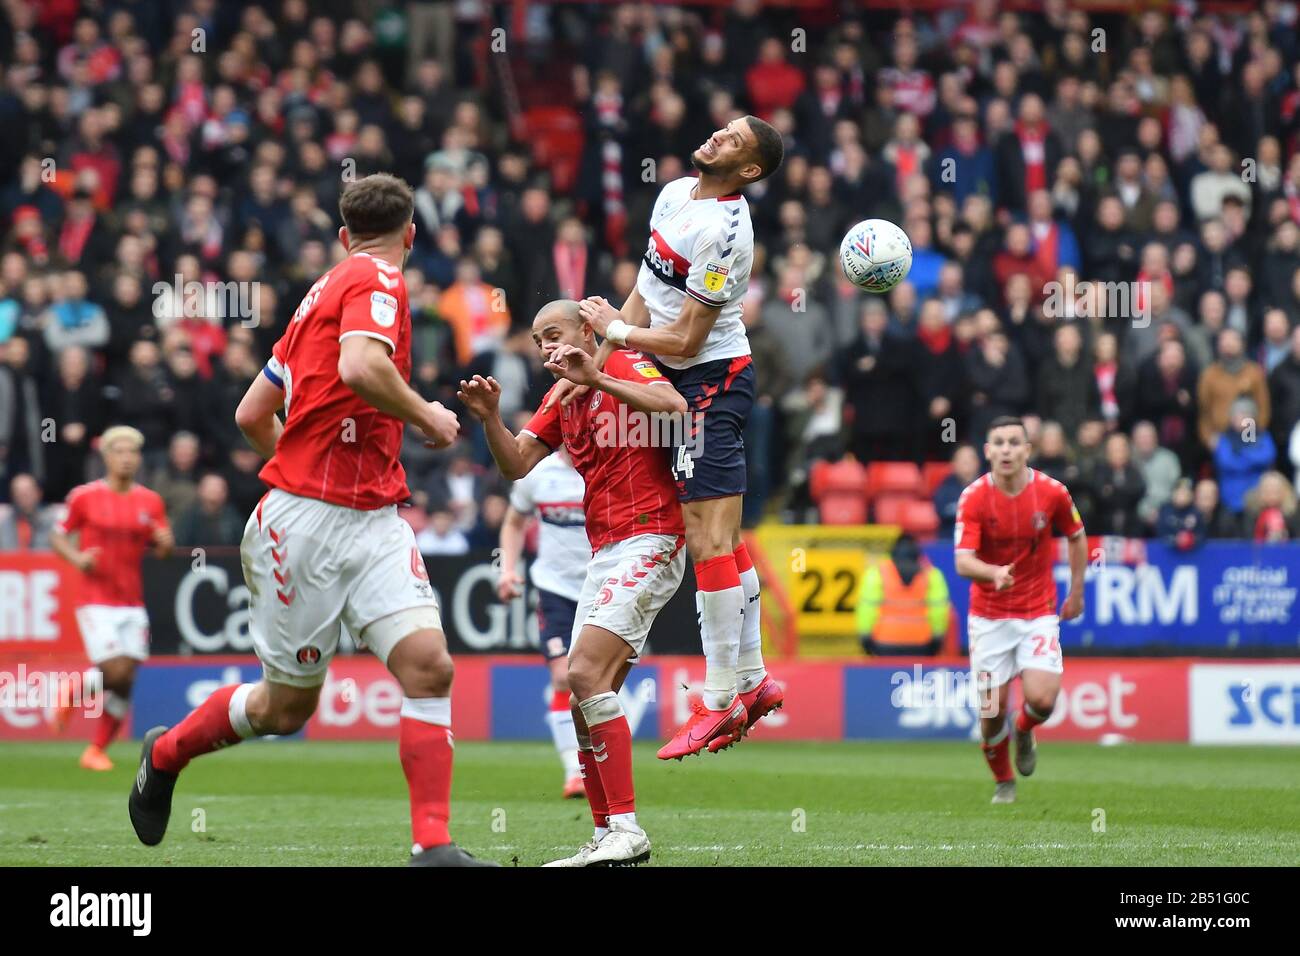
(903,605)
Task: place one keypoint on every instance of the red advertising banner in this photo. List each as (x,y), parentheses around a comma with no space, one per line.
(361,700)
(38,601)
(1123,699)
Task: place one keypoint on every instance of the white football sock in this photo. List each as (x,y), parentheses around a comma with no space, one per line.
(566,740)
(625,820)
(749,668)
(721,619)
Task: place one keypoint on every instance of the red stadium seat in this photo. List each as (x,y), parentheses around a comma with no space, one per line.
(839,490)
(555,133)
(920,518)
(933,473)
(894,478)
(890,509)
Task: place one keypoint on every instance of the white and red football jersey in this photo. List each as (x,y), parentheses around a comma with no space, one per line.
(121,525)
(629,489)
(553,491)
(1006,529)
(336,447)
(703,248)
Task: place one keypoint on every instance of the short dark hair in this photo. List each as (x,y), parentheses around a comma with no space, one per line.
(376,206)
(1003,420)
(770,150)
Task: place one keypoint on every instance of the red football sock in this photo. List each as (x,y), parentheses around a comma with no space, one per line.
(426,752)
(1027,719)
(611,743)
(999,757)
(207,728)
(559,700)
(595,791)
(106,727)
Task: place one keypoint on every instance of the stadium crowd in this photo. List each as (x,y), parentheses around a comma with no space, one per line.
(153,143)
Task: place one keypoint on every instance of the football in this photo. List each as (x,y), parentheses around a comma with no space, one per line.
(876,255)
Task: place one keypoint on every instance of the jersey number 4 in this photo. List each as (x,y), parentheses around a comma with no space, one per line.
(684,467)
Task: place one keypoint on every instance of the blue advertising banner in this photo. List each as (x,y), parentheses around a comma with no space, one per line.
(1223,596)
(520,699)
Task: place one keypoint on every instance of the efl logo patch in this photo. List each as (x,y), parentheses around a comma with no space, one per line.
(383,309)
(715,276)
(647,369)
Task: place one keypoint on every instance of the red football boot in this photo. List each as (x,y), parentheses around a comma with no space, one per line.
(714,729)
(762,700)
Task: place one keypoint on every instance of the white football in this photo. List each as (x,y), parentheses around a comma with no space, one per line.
(876,255)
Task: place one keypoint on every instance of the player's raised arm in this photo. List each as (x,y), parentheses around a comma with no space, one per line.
(366,368)
(258,413)
(683,337)
(634,312)
(655,395)
(515,455)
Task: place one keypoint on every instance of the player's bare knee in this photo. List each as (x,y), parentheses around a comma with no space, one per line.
(429,674)
(584,676)
(1042,702)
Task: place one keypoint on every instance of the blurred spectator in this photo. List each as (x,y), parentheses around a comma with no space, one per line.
(1271,514)
(1067,388)
(441,536)
(21,447)
(998,380)
(1160,469)
(176,481)
(486,533)
(76,405)
(1219,520)
(1231,376)
(71,319)
(878,378)
(1166,390)
(477,313)
(210,521)
(965,469)
(1117,489)
(25,524)
(1178,523)
(1242,453)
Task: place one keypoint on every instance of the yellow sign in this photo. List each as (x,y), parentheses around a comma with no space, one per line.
(819,568)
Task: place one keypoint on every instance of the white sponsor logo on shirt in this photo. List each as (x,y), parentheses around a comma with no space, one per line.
(383,308)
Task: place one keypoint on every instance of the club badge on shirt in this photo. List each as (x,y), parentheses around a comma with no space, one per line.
(715,276)
(383,308)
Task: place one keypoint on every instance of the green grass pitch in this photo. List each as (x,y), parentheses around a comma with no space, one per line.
(759,804)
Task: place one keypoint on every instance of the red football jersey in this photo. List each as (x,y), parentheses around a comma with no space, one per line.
(1002,529)
(335,447)
(122,526)
(629,489)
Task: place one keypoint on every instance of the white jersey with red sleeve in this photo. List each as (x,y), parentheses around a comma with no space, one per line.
(554,492)
(336,447)
(1015,529)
